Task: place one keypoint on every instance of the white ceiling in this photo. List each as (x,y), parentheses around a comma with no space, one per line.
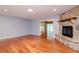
(38,10)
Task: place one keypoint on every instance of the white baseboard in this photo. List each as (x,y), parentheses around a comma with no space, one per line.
(1,38)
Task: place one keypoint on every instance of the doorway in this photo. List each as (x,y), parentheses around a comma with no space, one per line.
(47,29)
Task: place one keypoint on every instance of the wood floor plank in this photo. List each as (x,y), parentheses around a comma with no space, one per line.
(33,44)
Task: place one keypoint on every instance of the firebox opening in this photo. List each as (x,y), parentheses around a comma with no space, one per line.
(67,31)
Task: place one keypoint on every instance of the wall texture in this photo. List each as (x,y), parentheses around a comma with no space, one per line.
(13,26)
(72,42)
(70,13)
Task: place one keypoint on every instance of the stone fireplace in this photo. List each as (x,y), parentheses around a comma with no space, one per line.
(71,41)
(69,35)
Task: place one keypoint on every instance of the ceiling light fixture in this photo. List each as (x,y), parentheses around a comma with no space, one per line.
(5,10)
(54,10)
(30,10)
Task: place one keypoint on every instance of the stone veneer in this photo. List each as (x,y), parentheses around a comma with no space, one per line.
(71,42)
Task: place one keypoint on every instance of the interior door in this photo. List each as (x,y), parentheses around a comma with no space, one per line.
(43,30)
(50,29)
(47,29)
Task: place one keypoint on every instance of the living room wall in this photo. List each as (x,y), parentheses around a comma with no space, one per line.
(13,26)
(36,23)
(70,13)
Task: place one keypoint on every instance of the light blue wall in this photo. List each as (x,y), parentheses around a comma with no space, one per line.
(36,25)
(13,26)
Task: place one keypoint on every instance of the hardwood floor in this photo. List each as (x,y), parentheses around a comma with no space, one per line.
(30,43)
